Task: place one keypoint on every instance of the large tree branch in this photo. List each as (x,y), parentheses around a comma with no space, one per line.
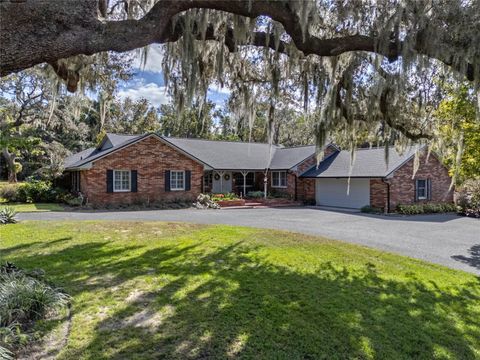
(33,32)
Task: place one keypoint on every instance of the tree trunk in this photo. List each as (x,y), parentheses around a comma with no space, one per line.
(34,32)
(10,159)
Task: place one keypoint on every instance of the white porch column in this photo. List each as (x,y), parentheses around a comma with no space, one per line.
(244,173)
(221,180)
(265,182)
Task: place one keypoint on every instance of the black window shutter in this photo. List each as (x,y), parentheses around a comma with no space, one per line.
(429,189)
(188,176)
(134,180)
(167,180)
(416,190)
(109,181)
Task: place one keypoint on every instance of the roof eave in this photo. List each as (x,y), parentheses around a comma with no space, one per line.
(86,166)
(344,177)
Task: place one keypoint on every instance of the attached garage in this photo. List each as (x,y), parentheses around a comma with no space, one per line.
(334,192)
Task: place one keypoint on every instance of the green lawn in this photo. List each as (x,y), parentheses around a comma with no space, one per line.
(32,207)
(180,291)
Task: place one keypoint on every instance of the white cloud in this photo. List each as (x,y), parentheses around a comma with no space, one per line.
(151,91)
(154,59)
(221,90)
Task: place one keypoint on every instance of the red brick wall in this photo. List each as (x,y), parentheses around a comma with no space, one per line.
(306,187)
(299,183)
(402,186)
(378,193)
(289,190)
(150,157)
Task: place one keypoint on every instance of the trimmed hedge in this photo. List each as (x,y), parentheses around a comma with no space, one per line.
(371,209)
(426,208)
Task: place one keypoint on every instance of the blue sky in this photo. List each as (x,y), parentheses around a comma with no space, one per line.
(148,82)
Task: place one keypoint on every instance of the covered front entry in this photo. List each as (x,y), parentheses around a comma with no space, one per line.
(239,182)
(334,192)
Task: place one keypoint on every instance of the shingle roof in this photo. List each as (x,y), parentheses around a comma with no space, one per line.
(91,154)
(230,155)
(286,158)
(71,160)
(220,155)
(368,163)
(227,155)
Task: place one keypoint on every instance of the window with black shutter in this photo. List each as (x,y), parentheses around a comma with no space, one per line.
(109,181)
(188,176)
(167,180)
(134,180)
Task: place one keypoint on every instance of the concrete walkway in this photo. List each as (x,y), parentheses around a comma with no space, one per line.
(448,240)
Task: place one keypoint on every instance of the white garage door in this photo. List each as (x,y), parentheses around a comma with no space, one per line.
(333,192)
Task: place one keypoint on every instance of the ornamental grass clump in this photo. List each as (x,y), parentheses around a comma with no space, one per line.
(24,298)
(8,216)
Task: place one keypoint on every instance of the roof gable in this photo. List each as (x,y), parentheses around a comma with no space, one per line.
(119,142)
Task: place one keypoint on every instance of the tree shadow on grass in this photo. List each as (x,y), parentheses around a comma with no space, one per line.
(38,244)
(232,303)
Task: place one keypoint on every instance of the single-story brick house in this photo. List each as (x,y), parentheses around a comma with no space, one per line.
(148,168)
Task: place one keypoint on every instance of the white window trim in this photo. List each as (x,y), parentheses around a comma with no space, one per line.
(129,181)
(184,180)
(279,186)
(426,189)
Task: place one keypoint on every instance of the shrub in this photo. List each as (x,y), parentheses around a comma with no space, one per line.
(310,202)
(371,209)
(205,202)
(410,209)
(279,195)
(227,196)
(37,191)
(426,208)
(72,200)
(9,192)
(255,194)
(468,198)
(8,216)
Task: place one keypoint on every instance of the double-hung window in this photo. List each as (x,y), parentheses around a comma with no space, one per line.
(279,179)
(121,180)
(422,189)
(177,180)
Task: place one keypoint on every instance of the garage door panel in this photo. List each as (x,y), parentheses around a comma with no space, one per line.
(333,192)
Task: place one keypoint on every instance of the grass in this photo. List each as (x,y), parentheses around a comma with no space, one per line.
(34,207)
(180,291)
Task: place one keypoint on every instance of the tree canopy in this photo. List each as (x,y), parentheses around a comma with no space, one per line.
(459,130)
(374,68)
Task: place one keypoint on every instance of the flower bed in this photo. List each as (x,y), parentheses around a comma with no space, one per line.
(229,203)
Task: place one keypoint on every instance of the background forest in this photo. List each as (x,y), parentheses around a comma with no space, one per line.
(41,123)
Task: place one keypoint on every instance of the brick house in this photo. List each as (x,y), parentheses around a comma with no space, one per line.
(149,168)
(372,181)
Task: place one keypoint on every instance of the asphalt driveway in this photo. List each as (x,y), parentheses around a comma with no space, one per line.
(448,240)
